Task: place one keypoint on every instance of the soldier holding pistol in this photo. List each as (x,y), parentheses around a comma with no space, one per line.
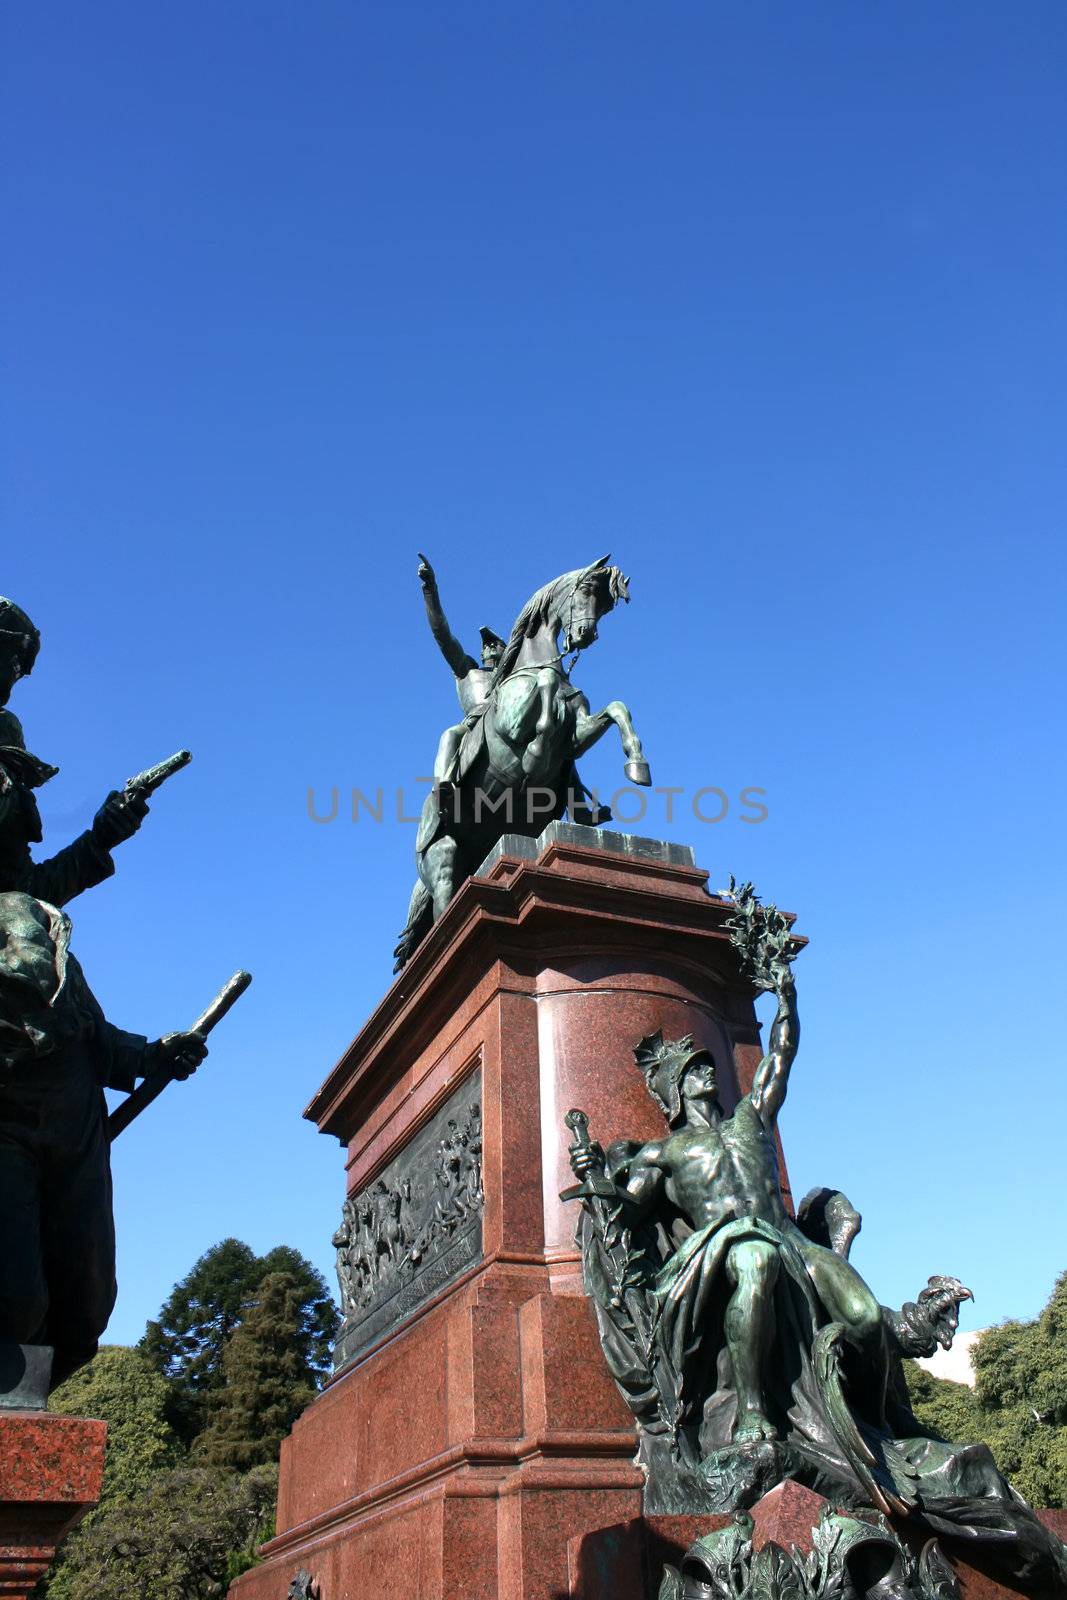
(87,861)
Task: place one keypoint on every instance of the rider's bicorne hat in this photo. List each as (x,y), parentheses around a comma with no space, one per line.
(489,637)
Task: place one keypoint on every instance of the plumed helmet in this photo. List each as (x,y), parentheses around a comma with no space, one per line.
(664,1063)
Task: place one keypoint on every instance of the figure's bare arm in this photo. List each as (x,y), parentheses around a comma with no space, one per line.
(450,647)
(772,1075)
(645,1179)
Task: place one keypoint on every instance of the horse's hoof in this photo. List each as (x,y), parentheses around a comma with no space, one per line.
(637,772)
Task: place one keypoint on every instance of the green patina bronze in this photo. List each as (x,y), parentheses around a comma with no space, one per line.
(747,1346)
(87,860)
(851,1558)
(57,1055)
(509,766)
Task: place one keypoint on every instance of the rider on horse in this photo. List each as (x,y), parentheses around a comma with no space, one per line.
(473,683)
(472,680)
(520,738)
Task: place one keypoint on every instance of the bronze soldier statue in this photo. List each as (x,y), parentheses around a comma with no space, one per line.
(511,763)
(721,1174)
(19,645)
(57,1055)
(87,860)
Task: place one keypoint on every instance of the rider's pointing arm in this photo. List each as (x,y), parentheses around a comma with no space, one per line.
(772,1074)
(453,652)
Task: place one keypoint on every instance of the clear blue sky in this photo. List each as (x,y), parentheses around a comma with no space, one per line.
(766,299)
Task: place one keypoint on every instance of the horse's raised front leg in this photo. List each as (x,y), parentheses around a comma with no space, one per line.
(533,757)
(591,726)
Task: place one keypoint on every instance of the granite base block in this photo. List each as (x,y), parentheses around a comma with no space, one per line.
(51,1472)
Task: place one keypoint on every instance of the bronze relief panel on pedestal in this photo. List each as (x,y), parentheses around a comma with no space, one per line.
(415,1227)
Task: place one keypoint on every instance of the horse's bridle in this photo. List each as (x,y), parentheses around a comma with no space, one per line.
(555,663)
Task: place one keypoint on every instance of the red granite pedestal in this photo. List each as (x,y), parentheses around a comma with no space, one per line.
(460,1453)
(51,1469)
(475,1448)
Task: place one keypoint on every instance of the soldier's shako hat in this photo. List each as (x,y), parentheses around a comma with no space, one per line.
(13,620)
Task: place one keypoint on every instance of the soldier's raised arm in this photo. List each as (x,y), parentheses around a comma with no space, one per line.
(80,865)
(772,1075)
(450,647)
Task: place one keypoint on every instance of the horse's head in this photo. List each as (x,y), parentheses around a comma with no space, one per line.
(572,605)
(594,592)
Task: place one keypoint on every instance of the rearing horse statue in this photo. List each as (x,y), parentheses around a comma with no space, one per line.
(533,726)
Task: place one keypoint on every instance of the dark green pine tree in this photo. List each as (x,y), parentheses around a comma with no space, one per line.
(269,1379)
(187,1340)
(318,1311)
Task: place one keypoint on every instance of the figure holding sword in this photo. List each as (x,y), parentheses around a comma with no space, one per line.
(181,1054)
(57,1055)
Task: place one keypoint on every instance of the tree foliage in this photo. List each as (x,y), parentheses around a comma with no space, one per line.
(182,1538)
(238,1350)
(1025,1363)
(186,1343)
(121,1386)
(1019,1402)
(319,1316)
(949,1410)
(270,1377)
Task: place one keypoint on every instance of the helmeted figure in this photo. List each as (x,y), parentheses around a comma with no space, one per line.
(747,1346)
(57,1055)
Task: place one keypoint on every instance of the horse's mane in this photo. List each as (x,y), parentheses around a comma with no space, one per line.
(534,614)
(539,607)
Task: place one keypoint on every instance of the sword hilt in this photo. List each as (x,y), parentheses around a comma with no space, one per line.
(578,1123)
(595,1185)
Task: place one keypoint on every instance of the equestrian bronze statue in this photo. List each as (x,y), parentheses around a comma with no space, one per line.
(510,766)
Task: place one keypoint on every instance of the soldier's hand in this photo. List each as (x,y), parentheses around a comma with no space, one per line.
(586,1159)
(119,818)
(427,576)
(182,1051)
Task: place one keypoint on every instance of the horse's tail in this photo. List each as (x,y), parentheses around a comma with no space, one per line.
(418,925)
